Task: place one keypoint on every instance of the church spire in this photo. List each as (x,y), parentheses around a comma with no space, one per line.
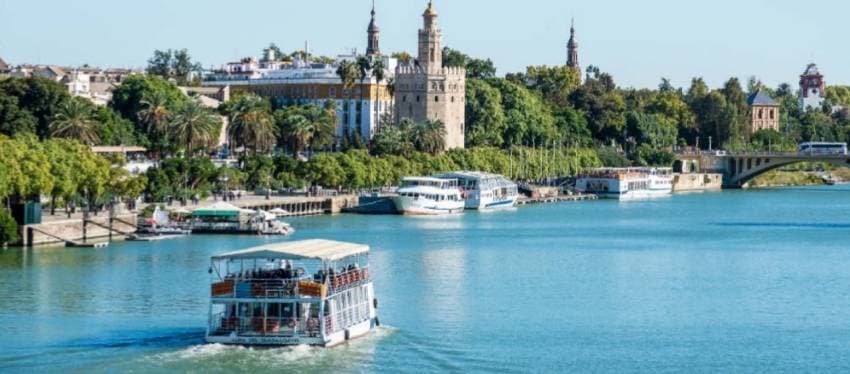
(572,50)
(373,46)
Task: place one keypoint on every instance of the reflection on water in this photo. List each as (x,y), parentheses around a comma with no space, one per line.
(732,281)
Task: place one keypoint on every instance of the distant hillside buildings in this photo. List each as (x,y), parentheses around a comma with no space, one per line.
(92,83)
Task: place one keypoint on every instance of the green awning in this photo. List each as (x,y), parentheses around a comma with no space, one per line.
(220,209)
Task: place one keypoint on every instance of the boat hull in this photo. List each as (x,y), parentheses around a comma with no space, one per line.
(339,337)
(424,207)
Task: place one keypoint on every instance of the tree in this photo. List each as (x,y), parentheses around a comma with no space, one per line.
(485,119)
(183,66)
(402,57)
(671,108)
(429,136)
(14,119)
(252,125)
(114,129)
(40,97)
(306,127)
(128,98)
(475,68)
(175,65)
(605,108)
(656,130)
(528,119)
(155,112)
(160,64)
(715,118)
(75,120)
(8,229)
(555,84)
(194,127)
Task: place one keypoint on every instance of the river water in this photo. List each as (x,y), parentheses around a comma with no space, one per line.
(736,281)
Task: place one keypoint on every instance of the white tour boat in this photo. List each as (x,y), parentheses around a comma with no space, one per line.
(627,183)
(485,191)
(428,196)
(312,292)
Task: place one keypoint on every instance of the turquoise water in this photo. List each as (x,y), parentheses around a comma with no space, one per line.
(717,282)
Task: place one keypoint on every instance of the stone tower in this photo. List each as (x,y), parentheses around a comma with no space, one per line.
(373,45)
(427,90)
(572,50)
(812,88)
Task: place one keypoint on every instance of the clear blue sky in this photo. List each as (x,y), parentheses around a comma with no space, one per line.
(636,41)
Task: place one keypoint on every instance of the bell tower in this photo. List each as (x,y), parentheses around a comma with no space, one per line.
(572,50)
(373,46)
(430,40)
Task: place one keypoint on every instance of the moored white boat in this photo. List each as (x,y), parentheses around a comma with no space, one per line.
(429,196)
(312,292)
(627,183)
(485,191)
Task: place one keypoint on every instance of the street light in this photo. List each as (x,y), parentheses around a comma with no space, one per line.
(223,179)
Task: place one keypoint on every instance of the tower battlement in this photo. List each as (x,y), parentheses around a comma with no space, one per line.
(412,71)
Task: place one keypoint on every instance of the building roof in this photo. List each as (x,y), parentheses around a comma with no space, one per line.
(811,70)
(314,249)
(118,149)
(430,11)
(761,98)
(3,65)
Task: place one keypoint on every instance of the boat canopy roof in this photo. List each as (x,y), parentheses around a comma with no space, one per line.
(220,209)
(427,179)
(314,249)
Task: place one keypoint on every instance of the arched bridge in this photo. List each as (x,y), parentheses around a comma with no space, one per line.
(739,168)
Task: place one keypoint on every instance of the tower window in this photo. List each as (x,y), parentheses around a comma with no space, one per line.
(417,99)
(771,114)
(436,99)
(432,55)
(404,99)
(453,99)
(761,113)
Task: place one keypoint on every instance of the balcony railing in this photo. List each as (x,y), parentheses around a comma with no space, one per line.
(265,326)
(290,288)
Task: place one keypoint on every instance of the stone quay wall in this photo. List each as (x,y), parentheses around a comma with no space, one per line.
(697,182)
(72,229)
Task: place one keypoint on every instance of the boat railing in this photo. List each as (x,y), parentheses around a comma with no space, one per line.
(347,317)
(268,288)
(265,326)
(351,278)
(283,288)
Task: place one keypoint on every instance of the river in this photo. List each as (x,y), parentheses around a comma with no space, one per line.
(738,281)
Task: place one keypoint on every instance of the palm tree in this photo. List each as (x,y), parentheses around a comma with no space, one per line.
(349,73)
(429,136)
(252,125)
(323,123)
(379,72)
(75,120)
(155,113)
(297,132)
(194,127)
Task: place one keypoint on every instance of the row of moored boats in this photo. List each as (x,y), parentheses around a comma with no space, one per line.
(455,192)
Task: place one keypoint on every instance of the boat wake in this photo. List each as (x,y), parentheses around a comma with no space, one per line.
(302,357)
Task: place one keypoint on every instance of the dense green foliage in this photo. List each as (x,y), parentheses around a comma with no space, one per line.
(64,170)
(8,229)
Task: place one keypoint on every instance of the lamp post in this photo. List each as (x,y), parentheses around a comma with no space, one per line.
(223,179)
